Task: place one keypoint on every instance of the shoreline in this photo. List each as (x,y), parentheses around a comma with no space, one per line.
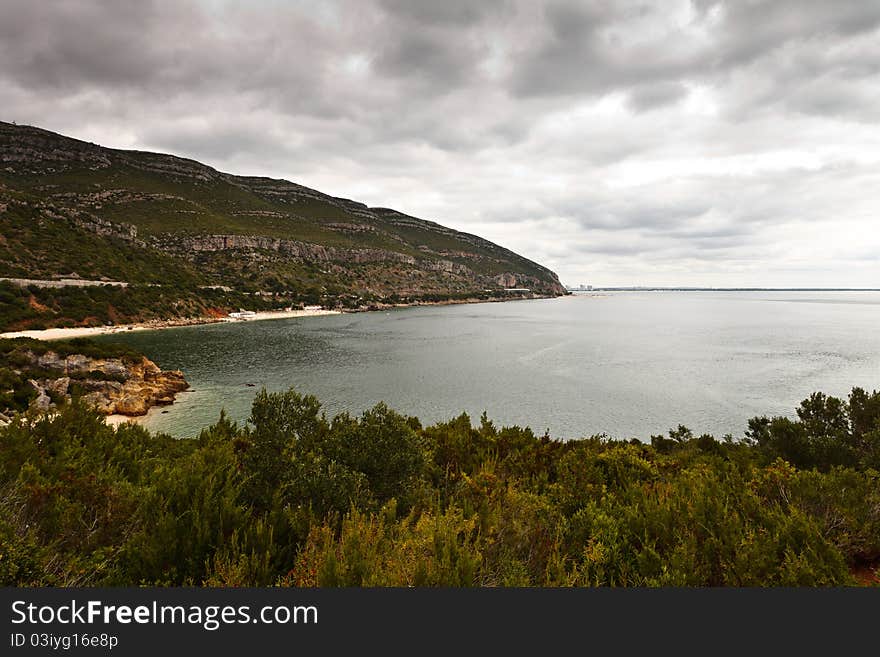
(156,325)
(160,324)
(115,419)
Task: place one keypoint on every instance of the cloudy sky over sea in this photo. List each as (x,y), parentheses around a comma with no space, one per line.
(645,143)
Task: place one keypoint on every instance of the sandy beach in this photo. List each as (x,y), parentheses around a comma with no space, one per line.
(88,331)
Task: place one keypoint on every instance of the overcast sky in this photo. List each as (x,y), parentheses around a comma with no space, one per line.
(646,143)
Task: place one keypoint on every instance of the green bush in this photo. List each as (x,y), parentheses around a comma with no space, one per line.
(295,498)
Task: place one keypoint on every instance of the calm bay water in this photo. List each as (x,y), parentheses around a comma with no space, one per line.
(627,364)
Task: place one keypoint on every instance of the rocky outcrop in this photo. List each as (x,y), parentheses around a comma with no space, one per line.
(294,249)
(447,266)
(111,385)
(505,280)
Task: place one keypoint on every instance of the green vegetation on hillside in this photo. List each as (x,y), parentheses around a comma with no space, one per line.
(295,498)
(37,245)
(34,307)
(73,209)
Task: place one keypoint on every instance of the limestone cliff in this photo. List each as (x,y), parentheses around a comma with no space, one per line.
(112,385)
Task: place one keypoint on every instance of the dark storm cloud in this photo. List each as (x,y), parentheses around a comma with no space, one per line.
(749,30)
(596,135)
(456,13)
(651,96)
(297,60)
(623,213)
(427,57)
(135,45)
(573,56)
(156,49)
(218,141)
(589,47)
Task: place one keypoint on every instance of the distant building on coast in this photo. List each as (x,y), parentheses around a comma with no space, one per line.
(243,314)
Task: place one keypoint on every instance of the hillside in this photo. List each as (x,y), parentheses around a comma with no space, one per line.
(189,240)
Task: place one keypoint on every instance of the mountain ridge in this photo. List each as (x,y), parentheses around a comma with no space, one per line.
(158,219)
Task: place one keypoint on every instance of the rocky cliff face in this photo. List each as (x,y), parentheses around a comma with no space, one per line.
(294,249)
(111,385)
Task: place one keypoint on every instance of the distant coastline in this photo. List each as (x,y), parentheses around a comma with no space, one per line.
(91,331)
(68,333)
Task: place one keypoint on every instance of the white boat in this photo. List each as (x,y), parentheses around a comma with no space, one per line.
(243,314)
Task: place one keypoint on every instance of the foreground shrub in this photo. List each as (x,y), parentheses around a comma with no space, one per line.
(295,498)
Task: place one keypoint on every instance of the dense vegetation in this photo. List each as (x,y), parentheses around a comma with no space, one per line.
(295,498)
(160,223)
(34,307)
